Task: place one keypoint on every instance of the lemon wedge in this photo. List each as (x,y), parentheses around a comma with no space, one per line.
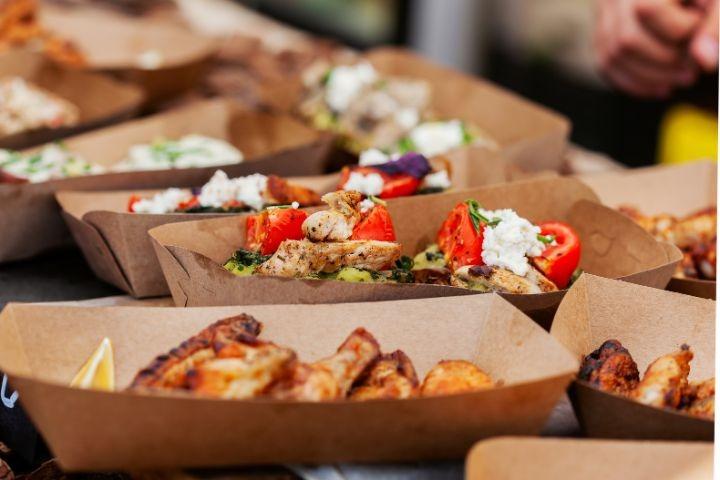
(98,372)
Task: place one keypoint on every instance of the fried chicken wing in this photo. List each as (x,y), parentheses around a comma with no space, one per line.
(300,258)
(331,378)
(392,376)
(455,376)
(281,192)
(665,380)
(610,368)
(699,398)
(170,370)
(337,223)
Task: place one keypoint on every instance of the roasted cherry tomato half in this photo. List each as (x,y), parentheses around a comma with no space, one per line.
(193,202)
(265,231)
(401,185)
(131,203)
(559,261)
(459,240)
(375,225)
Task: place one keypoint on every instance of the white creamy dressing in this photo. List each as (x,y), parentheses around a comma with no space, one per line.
(510,243)
(190,151)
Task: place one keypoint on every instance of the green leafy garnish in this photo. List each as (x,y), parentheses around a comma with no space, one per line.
(478,218)
(406,145)
(326,76)
(404,263)
(576,274)
(377,201)
(468,137)
(546,239)
(248,258)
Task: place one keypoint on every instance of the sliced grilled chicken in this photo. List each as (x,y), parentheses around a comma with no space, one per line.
(300,258)
(337,223)
(665,380)
(494,279)
(392,376)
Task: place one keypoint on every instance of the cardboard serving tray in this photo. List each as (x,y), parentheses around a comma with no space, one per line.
(272,143)
(520,458)
(100,100)
(115,43)
(116,245)
(678,190)
(649,323)
(42,347)
(192,253)
(531,136)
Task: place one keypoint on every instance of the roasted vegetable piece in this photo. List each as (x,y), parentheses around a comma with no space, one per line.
(375,225)
(611,368)
(455,376)
(460,238)
(267,230)
(562,254)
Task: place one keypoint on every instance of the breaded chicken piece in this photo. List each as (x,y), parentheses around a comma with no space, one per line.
(665,380)
(454,376)
(331,378)
(700,398)
(610,368)
(241,370)
(300,258)
(392,376)
(281,192)
(170,370)
(494,279)
(337,223)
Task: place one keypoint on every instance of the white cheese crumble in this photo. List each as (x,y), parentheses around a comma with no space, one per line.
(24,106)
(510,243)
(407,118)
(434,138)
(437,180)
(221,190)
(346,82)
(150,59)
(190,151)
(373,156)
(370,184)
(52,162)
(366,205)
(163,202)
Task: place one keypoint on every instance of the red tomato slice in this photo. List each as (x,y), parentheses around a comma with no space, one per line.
(401,185)
(459,240)
(131,203)
(376,225)
(346,171)
(193,202)
(558,262)
(265,231)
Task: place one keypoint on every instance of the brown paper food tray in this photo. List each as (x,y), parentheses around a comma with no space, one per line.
(520,458)
(191,253)
(41,349)
(116,245)
(113,42)
(100,99)
(531,136)
(649,323)
(30,218)
(678,190)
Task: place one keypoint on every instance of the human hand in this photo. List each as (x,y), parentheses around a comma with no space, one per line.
(704,43)
(642,44)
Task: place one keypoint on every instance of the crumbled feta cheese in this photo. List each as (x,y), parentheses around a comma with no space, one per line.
(221,190)
(370,184)
(366,205)
(190,151)
(373,156)
(295,205)
(345,84)
(437,180)
(407,118)
(510,243)
(25,106)
(150,59)
(52,162)
(163,202)
(434,138)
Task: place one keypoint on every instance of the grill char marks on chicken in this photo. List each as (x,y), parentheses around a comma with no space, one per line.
(391,376)
(665,380)
(169,370)
(611,368)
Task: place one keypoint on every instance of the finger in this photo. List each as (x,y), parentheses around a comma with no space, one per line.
(704,45)
(655,74)
(668,20)
(626,82)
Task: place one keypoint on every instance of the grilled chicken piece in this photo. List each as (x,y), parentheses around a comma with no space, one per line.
(243,369)
(610,368)
(281,192)
(170,370)
(700,227)
(332,377)
(665,380)
(700,398)
(392,376)
(455,376)
(300,258)
(337,223)
(494,279)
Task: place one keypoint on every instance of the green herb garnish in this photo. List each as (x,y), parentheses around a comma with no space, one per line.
(546,239)
(377,201)
(248,258)
(406,145)
(478,218)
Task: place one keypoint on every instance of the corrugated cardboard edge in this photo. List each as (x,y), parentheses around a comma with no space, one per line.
(605,415)
(519,458)
(531,401)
